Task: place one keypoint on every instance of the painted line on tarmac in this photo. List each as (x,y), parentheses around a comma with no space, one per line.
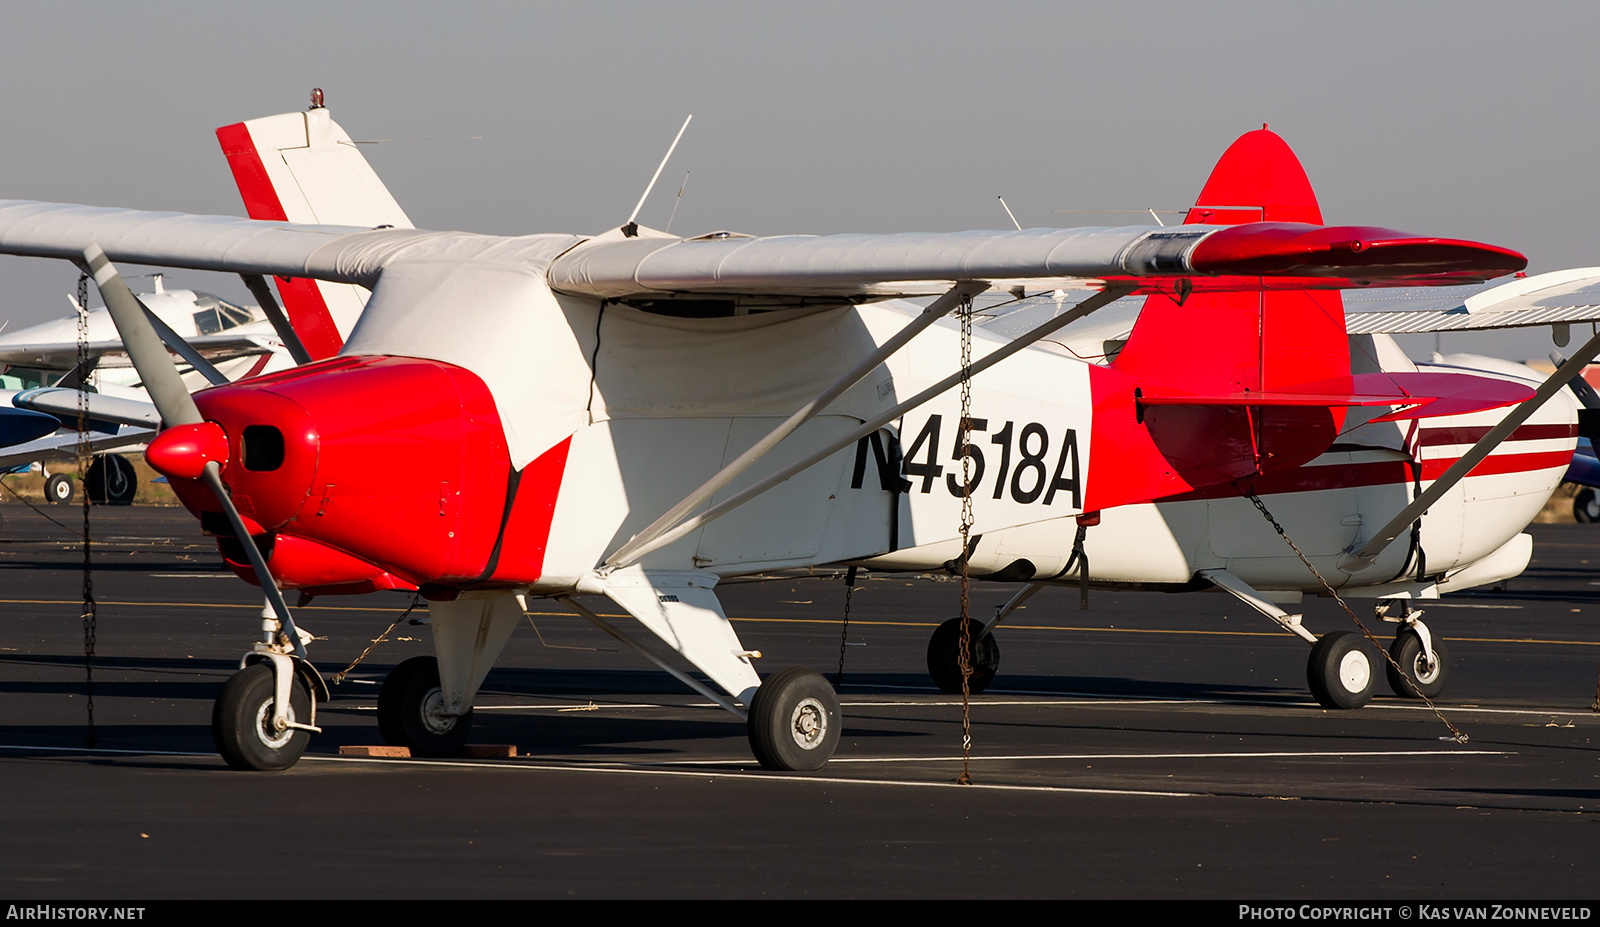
(1280,754)
(633,770)
(764,776)
(901,624)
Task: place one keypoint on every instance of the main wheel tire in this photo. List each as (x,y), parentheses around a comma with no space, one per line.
(1586,506)
(1415,679)
(58,489)
(794,720)
(944,657)
(111,480)
(1340,670)
(241,721)
(411,711)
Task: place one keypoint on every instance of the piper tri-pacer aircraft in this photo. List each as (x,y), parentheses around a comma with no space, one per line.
(636,416)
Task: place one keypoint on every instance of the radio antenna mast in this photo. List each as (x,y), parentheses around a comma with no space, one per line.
(630,228)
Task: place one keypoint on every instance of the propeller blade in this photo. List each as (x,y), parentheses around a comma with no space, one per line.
(213,478)
(177,407)
(149,355)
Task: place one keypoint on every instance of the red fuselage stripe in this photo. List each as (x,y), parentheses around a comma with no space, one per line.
(1433,437)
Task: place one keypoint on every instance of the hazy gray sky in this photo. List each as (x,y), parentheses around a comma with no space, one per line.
(1462,119)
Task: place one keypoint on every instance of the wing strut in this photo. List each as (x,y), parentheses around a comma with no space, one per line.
(1102,298)
(280,322)
(1368,552)
(939,308)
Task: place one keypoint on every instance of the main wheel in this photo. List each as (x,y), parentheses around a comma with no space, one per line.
(1416,676)
(794,720)
(1340,670)
(111,480)
(944,657)
(1586,506)
(411,711)
(241,721)
(58,489)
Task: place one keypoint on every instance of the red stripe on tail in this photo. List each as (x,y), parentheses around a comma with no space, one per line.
(302,300)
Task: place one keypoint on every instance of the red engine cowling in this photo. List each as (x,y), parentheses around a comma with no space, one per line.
(396,467)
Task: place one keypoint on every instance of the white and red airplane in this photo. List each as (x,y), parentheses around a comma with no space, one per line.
(636,416)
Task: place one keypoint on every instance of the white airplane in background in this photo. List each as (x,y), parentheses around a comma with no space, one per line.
(300,167)
(636,416)
(40,371)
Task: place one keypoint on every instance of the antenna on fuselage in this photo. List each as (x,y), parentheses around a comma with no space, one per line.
(1009,213)
(630,229)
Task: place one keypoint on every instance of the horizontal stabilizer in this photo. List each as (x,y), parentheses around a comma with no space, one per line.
(1420,394)
(63,404)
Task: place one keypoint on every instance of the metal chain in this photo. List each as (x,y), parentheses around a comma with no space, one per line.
(965,653)
(38,511)
(1455,732)
(90,619)
(338,677)
(844,629)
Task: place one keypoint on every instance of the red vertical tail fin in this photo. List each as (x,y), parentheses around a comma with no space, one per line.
(1230,342)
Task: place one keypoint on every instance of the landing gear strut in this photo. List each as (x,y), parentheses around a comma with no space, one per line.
(267,712)
(1422,656)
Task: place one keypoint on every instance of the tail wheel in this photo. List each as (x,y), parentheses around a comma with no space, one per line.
(411,711)
(241,721)
(944,657)
(794,720)
(1418,676)
(1340,670)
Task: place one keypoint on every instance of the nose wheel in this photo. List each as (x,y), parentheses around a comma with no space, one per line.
(242,721)
(1420,673)
(412,711)
(1340,670)
(944,657)
(794,720)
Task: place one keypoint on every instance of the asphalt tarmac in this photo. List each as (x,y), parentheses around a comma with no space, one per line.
(1154,746)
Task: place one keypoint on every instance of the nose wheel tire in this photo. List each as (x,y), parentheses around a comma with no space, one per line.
(1586,506)
(411,711)
(794,720)
(241,721)
(1417,674)
(944,657)
(111,480)
(58,489)
(1340,670)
